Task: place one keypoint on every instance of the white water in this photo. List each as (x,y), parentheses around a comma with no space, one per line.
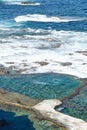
(56,47)
(44,18)
(19,2)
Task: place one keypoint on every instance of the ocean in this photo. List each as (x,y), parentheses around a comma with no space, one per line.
(45,43)
(44,36)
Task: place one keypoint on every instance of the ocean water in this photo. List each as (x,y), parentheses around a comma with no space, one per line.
(15,121)
(54,32)
(45,36)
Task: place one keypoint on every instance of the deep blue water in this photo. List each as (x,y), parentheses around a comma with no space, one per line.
(9,121)
(69,8)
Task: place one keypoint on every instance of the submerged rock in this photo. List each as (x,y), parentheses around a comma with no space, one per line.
(3,122)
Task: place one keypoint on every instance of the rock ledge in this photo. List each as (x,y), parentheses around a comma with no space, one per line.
(47,111)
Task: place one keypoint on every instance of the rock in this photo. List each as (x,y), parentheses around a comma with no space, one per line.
(45,110)
(42,63)
(27,3)
(3,70)
(16,100)
(82,52)
(66,63)
(6,70)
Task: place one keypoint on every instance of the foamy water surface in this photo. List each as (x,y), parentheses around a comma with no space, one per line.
(58,51)
(36,40)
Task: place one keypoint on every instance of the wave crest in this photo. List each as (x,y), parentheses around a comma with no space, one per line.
(44,18)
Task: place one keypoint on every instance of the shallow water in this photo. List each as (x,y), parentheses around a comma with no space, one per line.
(41,86)
(77,106)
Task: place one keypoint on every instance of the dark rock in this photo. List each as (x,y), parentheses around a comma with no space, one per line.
(27,3)
(42,63)
(66,63)
(6,70)
(82,52)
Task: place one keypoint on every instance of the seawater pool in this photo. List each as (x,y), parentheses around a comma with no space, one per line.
(41,86)
(77,105)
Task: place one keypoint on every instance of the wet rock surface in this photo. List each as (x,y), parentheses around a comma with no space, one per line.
(6,70)
(43,111)
(82,52)
(16,99)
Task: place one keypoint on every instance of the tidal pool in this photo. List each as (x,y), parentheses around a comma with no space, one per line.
(41,86)
(77,105)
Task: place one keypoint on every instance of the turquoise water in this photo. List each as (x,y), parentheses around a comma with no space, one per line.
(41,86)
(77,106)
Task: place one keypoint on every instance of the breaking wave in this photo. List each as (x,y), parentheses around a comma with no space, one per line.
(44,18)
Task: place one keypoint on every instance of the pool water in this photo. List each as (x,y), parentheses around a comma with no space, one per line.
(41,86)
(77,106)
(45,86)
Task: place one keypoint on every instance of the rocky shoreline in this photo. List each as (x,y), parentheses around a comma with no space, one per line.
(42,110)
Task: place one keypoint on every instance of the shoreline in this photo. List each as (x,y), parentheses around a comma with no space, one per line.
(9,71)
(43,111)
(22,106)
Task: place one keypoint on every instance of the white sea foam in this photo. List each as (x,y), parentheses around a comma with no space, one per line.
(27,51)
(20,2)
(44,18)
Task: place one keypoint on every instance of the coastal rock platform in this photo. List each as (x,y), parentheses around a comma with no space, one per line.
(47,111)
(43,110)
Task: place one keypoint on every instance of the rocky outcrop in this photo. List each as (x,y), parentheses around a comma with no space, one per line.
(46,110)
(5,70)
(16,100)
(28,3)
(43,111)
